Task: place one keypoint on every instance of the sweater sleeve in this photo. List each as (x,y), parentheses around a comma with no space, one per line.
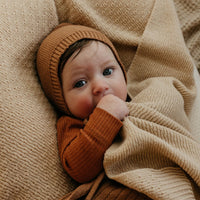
(82,147)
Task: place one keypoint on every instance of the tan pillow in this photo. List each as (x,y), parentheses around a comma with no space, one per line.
(29,163)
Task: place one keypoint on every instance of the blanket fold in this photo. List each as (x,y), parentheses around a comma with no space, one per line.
(156,153)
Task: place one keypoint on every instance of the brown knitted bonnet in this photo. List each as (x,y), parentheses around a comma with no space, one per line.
(50,51)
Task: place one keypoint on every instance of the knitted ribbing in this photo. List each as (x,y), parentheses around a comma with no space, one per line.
(157,153)
(82,148)
(188,13)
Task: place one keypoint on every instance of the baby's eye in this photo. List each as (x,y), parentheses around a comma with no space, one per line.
(79,84)
(107,71)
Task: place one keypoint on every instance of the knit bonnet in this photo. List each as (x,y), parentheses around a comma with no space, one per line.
(50,51)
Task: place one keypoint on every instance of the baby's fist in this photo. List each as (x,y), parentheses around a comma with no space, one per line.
(114,105)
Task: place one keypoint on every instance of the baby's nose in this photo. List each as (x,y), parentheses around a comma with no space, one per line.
(99,88)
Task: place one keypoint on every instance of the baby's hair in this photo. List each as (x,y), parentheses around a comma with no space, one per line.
(68,53)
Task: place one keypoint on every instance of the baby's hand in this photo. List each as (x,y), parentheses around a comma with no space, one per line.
(114,105)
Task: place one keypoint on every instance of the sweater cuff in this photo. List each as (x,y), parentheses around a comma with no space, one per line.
(103,124)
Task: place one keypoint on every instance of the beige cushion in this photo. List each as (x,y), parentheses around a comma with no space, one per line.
(29,163)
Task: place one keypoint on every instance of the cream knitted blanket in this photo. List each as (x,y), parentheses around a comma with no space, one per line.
(156,153)
(30,166)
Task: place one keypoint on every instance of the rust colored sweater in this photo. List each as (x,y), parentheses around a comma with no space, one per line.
(82,146)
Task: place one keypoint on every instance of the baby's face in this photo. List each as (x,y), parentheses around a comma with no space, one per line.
(89,75)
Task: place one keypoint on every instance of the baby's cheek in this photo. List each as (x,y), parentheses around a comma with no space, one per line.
(85,107)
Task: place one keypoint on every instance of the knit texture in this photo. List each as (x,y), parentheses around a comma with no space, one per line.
(156,153)
(30,166)
(82,146)
(189,16)
(104,188)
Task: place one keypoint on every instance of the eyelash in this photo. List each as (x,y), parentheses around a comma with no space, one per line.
(76,85)
(80,83)
(109,68)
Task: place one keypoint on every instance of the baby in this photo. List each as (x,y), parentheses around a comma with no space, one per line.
(82,75)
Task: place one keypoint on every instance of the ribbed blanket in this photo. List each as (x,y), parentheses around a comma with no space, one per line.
(156,154)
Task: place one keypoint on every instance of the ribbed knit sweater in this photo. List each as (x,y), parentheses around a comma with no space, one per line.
(82,146)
